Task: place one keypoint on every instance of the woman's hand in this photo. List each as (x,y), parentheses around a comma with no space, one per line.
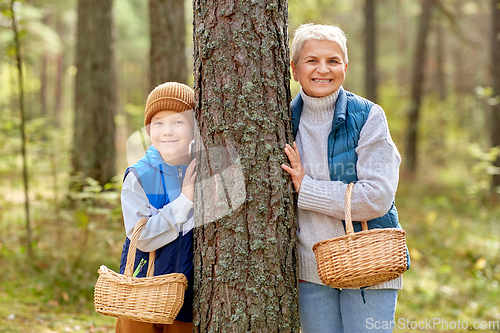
(296,171)
(188,182)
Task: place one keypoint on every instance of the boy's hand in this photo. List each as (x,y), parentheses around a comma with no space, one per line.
(296,171)
(188,182)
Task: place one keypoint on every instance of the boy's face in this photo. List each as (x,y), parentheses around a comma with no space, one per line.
(171,133)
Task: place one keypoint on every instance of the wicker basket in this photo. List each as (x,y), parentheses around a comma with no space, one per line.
(361,259)
(152,299)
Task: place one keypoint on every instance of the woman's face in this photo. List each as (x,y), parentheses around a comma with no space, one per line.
(320,68)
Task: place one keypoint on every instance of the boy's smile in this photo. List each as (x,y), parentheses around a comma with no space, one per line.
(171,134)
(168,141)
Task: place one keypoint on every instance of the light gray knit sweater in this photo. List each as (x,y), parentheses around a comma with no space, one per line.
(321,201)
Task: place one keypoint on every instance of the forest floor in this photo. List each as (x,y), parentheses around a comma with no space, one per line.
(32,319)
(453,237)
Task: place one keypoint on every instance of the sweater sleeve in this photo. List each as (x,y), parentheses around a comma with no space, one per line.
(377,171)
(163,224)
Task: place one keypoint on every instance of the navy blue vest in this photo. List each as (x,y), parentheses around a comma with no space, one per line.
(350,115)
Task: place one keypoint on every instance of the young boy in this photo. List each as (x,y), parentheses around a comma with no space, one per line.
(160,186)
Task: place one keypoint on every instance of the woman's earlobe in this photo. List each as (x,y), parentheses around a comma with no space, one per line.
(294,70)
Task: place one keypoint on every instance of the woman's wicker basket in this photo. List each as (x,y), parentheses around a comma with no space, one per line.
(361,259)
(152,299)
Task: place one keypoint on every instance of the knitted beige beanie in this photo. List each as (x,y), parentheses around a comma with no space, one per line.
(170,96)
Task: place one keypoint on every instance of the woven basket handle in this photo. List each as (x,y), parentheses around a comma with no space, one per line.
(347,209)
(133,248)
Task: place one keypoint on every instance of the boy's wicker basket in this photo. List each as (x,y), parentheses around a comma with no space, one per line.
(361,259)
(152,299)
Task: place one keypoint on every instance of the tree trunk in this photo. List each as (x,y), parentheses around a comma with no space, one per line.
(245,249)
(43,83)
(44,65)
(19,63)
(95,96)
(168,42)
(59,78)
(495,114)
(401,45)
(440,70)
(419,61)
(370,51)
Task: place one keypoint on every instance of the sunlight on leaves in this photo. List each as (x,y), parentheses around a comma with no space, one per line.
(480,263)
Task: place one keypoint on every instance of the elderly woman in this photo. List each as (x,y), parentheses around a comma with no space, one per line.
(340,138)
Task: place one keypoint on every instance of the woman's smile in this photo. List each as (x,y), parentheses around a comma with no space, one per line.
(320,68)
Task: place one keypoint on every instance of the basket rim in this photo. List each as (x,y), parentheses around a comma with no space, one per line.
(358,234)
(105,272)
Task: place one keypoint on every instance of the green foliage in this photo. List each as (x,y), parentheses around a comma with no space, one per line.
(483,170)
(35,36)
(73,233)
(452,228)
(132,37)
(71,240)
(454,243)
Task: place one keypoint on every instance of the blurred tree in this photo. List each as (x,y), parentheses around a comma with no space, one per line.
(19,63)
(440,78)
(495,57)
(44,63)
(64,29)
(59,74)
(370,50)
(95,97)
(245,257)
(132,49)
(419,61)
(168,42)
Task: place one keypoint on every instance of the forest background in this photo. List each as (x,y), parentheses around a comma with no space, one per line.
(447,204)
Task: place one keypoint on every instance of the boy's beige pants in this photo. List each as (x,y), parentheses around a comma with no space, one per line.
(124,325)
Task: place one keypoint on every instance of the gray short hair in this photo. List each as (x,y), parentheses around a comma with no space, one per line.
(318,32)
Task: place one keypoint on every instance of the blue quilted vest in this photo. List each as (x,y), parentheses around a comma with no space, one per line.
(350,115)
(162,184)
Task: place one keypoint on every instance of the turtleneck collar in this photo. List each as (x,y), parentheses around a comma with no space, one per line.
(317,110)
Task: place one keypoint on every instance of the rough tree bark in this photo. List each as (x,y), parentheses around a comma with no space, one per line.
(94,153)
(245,249)
(495,114)
(420,53)
(370,50)
(168,42)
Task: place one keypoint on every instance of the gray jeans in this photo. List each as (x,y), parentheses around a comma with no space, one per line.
(329,310)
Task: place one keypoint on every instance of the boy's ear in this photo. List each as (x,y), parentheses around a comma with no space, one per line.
(191,147)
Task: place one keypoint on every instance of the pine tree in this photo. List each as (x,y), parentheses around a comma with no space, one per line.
(245,250)
(94,153)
